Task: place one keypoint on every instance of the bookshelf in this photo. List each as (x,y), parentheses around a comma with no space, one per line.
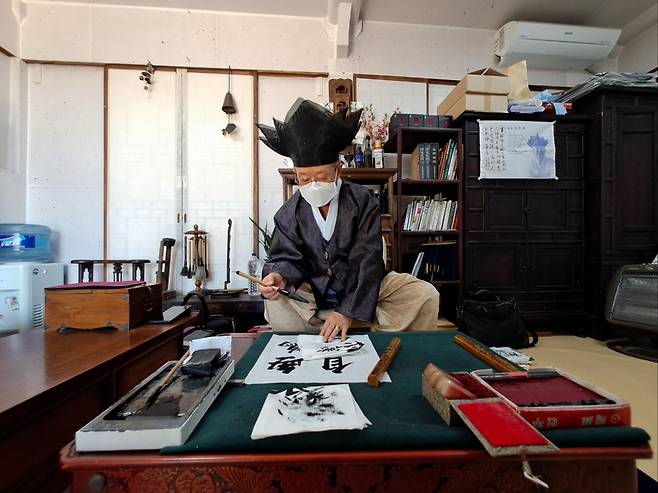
(402,142)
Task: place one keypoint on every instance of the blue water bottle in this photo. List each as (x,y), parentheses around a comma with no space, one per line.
(24,243)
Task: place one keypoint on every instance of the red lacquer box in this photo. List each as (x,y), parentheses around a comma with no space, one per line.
(550,398)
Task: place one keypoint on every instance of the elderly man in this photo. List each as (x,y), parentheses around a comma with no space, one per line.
(327,242)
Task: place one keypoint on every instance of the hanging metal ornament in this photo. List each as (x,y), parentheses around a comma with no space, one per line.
(229,108)
(147,75)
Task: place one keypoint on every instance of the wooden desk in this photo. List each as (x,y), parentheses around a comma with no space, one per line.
(584,469)
(54,383)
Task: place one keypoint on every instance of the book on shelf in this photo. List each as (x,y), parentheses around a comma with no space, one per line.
(436,261)
(431,161)
(435,149)
(416,268)
(430,214)
(419,162)
(447,167)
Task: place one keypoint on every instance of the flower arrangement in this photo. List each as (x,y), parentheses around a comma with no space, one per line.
(378,132)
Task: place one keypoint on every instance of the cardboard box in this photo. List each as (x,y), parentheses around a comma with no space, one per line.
(97,305)
(490,103)
(484,81)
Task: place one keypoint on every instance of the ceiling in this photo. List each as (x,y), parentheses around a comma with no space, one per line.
(479,14)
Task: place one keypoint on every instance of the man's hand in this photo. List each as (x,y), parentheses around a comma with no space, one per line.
(272,279)
(335,324)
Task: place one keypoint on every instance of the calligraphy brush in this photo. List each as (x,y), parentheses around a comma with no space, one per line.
(165,381)
(284,292)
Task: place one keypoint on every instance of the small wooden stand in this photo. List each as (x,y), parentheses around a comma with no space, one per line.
(164,265)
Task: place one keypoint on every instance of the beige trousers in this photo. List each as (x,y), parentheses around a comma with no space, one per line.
(405,303)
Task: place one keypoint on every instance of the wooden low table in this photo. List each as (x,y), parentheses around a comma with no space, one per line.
(593,470)
(582,469)
(53,383)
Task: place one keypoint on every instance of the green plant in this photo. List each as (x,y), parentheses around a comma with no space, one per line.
(266,237)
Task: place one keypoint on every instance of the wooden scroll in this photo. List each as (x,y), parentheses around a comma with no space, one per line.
(384,362)
(495,361)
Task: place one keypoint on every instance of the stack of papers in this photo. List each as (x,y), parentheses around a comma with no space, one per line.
(314,347)
(309,409)
(513,355)
(625,79)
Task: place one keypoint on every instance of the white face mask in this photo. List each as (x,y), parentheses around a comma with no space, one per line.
(318,194)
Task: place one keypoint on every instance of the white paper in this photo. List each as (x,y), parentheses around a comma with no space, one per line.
(314,347)
(219,342)
(517,149)
(512,355)
(282,362)
(309,409)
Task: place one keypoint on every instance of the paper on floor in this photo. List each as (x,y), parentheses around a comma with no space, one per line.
(282,362)
(309,409)
(314,347)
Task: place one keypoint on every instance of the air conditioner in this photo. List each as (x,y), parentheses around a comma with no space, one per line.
(553,45)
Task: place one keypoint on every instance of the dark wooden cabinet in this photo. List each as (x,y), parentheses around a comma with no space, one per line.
(524,239)
(621,188)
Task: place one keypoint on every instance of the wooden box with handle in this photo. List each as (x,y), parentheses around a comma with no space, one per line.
(93,305)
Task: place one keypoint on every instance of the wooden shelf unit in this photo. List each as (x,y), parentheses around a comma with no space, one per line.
(402,141)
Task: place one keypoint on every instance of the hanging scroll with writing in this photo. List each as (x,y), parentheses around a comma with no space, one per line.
(517,150)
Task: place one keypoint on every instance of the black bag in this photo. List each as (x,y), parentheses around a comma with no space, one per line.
(494,322)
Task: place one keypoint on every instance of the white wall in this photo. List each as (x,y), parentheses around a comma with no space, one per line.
(12,139)
(106,34)
(641,53)
(9,29)
(65,158)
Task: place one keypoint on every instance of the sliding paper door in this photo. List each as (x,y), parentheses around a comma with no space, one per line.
(142,166)
(219,170)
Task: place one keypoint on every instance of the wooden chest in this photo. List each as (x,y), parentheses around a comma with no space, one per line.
(122,305)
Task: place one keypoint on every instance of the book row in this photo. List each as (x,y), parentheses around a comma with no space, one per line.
(430,161)
(431,215)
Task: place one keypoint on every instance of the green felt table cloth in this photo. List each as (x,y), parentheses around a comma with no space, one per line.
(401,417)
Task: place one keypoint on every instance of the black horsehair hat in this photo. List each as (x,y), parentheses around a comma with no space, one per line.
(311,135)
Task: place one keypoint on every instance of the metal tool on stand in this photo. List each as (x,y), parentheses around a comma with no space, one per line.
(228,291)
(197,238)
